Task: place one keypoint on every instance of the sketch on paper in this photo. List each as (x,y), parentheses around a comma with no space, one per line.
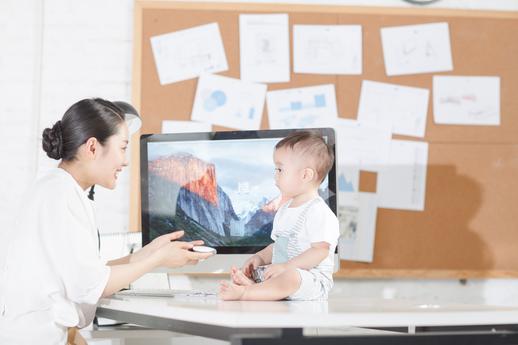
(327,49)
(361,145)
(358,228)
(313,106)
(415,49)
(229,102)
(403,108)
(186,54)
(466,100)
(173,126)
(264,47)
(401,183)
(348,220)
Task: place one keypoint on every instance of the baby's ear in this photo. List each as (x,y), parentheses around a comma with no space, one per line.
(309,174)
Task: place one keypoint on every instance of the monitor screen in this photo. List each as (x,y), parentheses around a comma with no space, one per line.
(217,186)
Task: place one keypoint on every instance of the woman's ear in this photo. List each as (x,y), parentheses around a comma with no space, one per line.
(91,147)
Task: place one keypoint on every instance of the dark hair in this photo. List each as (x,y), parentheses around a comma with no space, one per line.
(85,119)
(313,146)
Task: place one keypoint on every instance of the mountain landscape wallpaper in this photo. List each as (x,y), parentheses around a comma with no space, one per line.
(222,192)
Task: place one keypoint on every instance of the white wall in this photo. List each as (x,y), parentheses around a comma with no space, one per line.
(56,52)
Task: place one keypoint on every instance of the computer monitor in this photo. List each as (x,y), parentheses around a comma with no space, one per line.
(216,186)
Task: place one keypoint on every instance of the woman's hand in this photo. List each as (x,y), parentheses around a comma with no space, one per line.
(251,264)
(158,242)
(177,254)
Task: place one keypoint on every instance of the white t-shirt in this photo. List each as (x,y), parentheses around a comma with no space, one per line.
(53,276)
(308,223)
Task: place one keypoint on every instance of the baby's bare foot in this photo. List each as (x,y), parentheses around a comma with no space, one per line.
(231,291)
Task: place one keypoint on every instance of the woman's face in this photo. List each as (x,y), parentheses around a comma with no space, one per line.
(112,158)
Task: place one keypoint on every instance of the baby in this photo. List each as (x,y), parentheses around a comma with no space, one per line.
(305,230)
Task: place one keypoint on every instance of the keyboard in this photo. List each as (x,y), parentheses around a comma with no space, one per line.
(165,293)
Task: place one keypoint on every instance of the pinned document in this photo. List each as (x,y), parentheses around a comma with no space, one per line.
(466,100)
(173,126)
(327,49)
(403,108)
(365,146)
(264,42)
(358,228)
(415,49)
(229,102)
(348,182)
(305,107)
(402,181)
(186,54)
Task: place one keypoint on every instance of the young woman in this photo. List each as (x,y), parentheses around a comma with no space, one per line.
(53,276)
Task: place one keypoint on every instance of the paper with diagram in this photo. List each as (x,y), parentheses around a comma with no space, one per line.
(305,107)
(264,44)
(173,126)
(358,228)
(229,102)
(460,100)
(403,108)
(412,49)
(186,54)
(327,49)
(401,182)
(365,146)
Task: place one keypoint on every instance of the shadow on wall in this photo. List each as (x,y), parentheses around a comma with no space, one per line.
(444,236)
(451,236)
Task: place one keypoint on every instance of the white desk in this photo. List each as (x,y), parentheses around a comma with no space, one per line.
(211,317)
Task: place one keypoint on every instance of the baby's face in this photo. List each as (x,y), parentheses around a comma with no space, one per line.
(289,171)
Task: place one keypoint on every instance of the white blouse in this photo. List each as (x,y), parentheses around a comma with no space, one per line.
(53,276)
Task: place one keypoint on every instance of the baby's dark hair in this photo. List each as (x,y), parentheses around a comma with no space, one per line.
(85,119)
(311,145)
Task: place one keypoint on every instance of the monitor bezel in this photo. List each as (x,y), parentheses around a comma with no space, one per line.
(329,133)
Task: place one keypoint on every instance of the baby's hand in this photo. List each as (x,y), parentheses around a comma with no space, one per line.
(274,270)
(239,278)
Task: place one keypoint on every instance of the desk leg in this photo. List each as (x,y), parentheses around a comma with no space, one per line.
(287,336)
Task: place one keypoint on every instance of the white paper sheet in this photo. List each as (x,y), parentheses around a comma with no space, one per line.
(414,49)
(365,146)
(305,107)
(172,126)
(403,107)
(188,53)
(264,42)
(348,181)
(327,49)
(229,102)
(358,228)
(466,100)
(401,183)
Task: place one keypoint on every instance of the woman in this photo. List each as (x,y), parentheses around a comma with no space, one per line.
(53,275)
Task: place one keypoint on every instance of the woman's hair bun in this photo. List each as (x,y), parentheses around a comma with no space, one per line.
(53,141)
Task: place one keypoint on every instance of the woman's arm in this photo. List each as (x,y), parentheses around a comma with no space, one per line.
(150,248)
(171,254)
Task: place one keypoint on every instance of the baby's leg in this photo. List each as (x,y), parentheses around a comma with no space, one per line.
(272,289)
(239,278)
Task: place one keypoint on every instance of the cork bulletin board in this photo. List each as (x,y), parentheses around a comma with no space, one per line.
(470,225)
